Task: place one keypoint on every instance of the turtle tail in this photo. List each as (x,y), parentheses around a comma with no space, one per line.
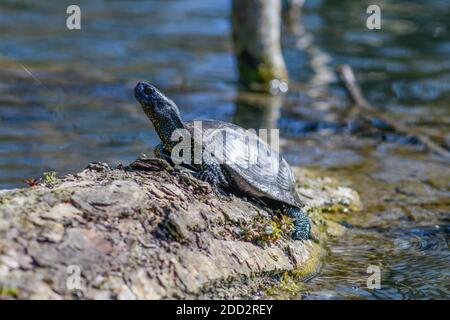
(302,223)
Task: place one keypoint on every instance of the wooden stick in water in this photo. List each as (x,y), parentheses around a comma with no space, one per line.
(348,79)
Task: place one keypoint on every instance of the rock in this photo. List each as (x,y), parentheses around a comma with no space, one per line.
(61,211)
(125,294)
(151,232)
(52,231)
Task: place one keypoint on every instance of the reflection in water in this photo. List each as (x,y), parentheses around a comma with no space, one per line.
(318,60)
(257,111)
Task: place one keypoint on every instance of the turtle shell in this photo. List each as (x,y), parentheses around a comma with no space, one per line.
(248,161)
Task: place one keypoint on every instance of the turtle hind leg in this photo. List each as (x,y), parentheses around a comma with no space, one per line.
(302,224)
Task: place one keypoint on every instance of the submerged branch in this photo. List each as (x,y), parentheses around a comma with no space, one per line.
(348,79)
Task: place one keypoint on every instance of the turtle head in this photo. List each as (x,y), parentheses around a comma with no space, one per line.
(162,111)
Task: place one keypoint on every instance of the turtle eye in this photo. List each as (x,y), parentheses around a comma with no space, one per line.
(148,90)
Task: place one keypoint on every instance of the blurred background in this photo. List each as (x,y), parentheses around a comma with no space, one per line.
(66,99)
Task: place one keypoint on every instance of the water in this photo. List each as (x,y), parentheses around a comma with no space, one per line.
(66,100)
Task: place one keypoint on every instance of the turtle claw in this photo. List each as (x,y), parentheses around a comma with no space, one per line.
(151,164)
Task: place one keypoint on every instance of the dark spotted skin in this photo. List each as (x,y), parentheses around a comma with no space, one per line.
(166,118)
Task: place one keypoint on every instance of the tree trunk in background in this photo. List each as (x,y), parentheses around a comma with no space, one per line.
(256,36)
(257,111)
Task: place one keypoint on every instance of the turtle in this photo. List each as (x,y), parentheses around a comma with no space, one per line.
(227,157)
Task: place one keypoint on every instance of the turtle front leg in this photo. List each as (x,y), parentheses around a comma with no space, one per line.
(211,172)
(212,175)
(161,153)
(302,224)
